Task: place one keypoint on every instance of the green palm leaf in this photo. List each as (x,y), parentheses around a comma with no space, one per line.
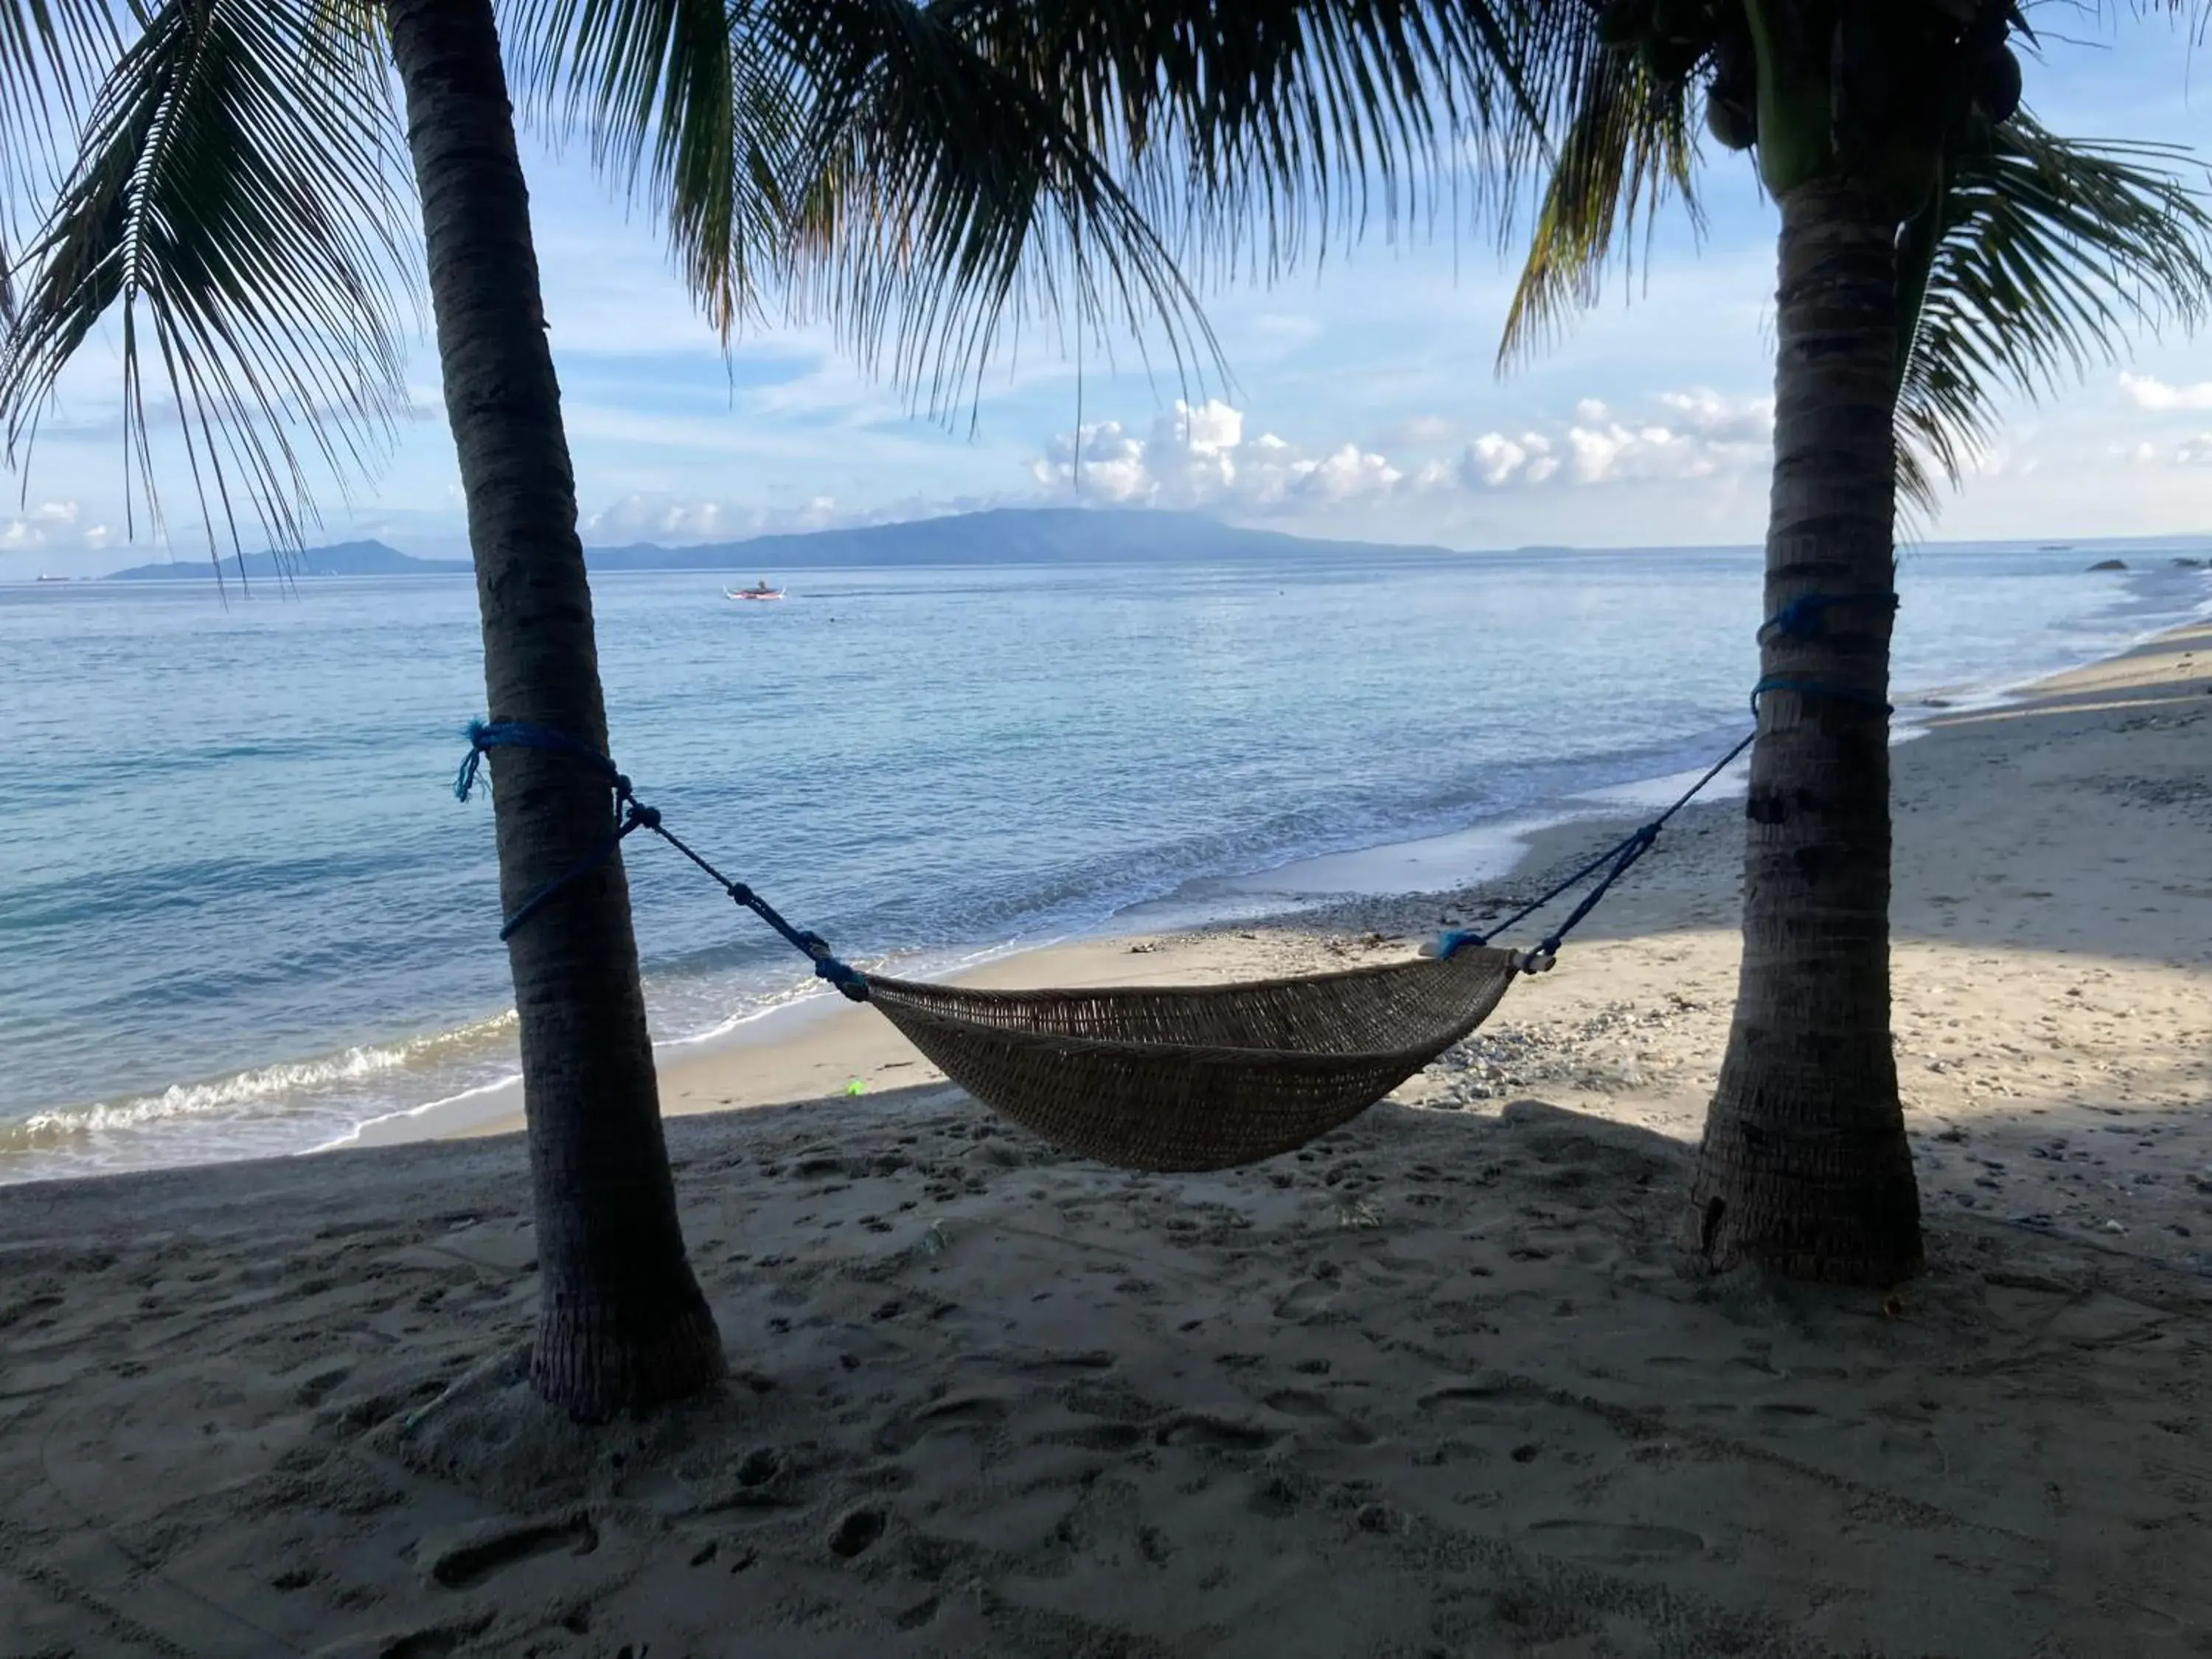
(1627,149)
(233,196)
(964,166)
(1249,127)
(860,160)
(938,197)
(2036,256)
(52,53)
(691,103)
(2039,255)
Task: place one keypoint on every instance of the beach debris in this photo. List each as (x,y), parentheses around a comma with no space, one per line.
(935,1241)
(503,1368)
(1359,1213)
(855,1087)
(1144,947)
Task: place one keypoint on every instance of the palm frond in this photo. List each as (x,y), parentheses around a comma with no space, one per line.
(1627,150)
(52,53)
(1246,128)
(232,208)
(2048,253)
(938,198)
(687,101)
(963,167)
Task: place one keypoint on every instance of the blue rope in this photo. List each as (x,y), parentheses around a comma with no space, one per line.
(1815,689)
(1620,855)
(484,736)
(1799,618)
(487,735)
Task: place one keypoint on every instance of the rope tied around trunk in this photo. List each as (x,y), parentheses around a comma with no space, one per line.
(486,735)
(1799,618)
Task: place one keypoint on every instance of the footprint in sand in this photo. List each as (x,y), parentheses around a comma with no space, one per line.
(856,1532)
(1465,1399)
(1617,1543)
(485,1550)
(974,1413)
(1308,1300)
(1215,1432)
(1303,1402)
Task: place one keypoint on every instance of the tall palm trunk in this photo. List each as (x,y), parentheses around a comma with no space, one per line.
(621,1319)
(1805,1164)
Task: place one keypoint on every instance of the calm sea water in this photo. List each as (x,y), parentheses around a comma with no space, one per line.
(241,913)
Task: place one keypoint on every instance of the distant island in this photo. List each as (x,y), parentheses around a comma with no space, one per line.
(342,559)
(1000,536)
(1054,535)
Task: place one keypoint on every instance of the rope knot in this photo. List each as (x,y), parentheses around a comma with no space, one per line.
(848,979)
(646,817)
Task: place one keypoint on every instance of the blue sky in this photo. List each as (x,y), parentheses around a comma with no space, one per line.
(1364,402)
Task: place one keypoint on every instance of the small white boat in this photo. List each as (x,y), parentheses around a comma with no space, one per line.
(760,590)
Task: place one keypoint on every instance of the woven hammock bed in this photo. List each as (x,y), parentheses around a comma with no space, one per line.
(1194,1077)
(1201,1077)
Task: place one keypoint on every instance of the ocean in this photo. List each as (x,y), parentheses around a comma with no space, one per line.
(242,915)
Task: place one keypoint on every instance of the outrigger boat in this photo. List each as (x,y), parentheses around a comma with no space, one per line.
(760,590)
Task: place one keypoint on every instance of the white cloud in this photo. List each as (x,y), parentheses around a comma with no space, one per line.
(1497,461)
(1199,456)
(667,518)
(2195,451)
(1350,473)
(51,525)
(2156,395)
(1703,434)
(1212,427)
(1739,420)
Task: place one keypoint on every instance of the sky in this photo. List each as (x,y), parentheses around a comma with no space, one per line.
(1362,400)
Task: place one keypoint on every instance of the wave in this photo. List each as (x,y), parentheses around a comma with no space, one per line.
(242,1092)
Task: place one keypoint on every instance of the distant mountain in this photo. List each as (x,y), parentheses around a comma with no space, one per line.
(344,559)
(1057,535)
(1060,535)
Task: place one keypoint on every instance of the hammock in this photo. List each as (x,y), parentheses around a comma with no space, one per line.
(1200,1077)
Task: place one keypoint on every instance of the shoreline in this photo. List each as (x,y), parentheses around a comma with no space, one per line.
(820,1047)
(1496,854)
(1441,1381)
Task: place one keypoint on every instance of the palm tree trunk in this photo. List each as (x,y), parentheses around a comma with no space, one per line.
(621,1320)
(1805,1165)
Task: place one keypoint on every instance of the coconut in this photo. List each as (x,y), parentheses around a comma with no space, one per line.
(1734,124)
(1997,85)
(1670,60)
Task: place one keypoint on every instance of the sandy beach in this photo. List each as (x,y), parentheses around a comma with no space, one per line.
(1437,1385)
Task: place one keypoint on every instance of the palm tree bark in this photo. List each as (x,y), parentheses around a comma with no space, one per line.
(1804,1165)
(621,1320)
